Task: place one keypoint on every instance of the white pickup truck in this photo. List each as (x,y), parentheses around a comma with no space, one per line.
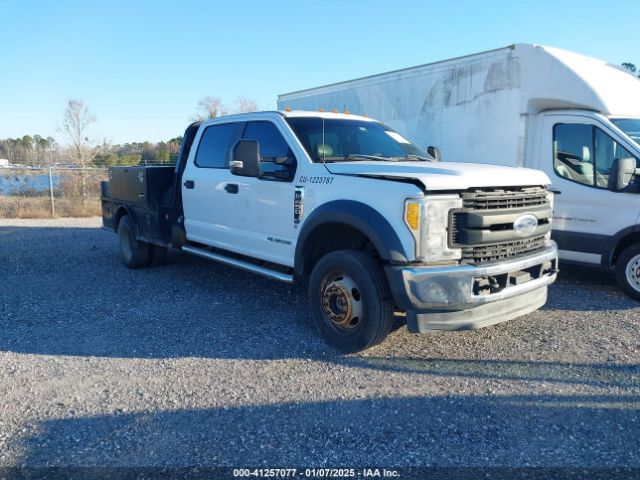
(372,221)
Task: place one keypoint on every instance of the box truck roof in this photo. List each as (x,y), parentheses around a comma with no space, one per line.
(556,78)
(547,78)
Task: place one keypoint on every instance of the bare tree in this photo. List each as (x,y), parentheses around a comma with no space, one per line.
(75,125)
(243,104)
(77,119)
(210,107)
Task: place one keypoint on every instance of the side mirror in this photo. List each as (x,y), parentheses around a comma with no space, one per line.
(434,152)
(245,158)
(288,160)
(621,174)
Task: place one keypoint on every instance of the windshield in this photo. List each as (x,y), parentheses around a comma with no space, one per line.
(630,126)
(353,140)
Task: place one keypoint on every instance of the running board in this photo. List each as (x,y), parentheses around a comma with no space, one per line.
(234,262)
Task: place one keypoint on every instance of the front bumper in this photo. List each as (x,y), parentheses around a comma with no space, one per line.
(467,296)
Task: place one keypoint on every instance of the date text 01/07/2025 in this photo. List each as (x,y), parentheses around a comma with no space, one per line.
(315,472)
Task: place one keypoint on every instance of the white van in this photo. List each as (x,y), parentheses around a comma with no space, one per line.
(574,117)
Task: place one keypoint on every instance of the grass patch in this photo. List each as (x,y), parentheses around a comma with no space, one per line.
(40,207)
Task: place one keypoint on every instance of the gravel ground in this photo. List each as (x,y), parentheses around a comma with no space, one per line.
(194,363)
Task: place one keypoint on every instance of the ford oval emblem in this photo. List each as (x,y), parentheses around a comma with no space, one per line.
(525,224)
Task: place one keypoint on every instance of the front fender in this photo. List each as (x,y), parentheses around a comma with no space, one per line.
(357,215)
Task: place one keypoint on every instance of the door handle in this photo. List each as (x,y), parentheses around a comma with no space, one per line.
(190,184)
(555,192)
(231,187)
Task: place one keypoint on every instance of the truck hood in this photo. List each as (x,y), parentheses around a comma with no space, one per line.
(445,175)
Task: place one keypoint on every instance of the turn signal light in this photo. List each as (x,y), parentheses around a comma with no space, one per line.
(412,215)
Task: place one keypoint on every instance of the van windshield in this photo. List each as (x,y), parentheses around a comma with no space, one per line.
(630,126)
(353,140)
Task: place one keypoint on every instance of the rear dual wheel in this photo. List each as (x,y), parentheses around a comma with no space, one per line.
(350,300)
(136,253)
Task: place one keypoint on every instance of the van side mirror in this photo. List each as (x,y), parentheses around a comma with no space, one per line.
(245,158)
(434,152)
(621,174)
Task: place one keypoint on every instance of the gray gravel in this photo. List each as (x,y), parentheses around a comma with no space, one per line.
(194,363)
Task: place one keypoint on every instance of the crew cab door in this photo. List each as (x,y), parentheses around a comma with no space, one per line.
(203,183)
(261,211)
(253,216)
(577,152)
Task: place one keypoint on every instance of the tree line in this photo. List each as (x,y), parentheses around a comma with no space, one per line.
(631,67)
(83,150)
(38,151)
(35,150)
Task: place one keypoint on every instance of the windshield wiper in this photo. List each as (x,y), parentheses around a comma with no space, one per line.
(360,156)
(419,158)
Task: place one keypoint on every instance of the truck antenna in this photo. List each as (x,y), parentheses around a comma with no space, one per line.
(323,149)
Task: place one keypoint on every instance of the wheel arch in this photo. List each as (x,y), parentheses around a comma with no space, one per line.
(342,224)
(618,243)
(121,211)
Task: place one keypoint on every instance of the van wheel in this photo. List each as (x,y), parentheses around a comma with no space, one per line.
(628,271)
(134,253)
(350,300)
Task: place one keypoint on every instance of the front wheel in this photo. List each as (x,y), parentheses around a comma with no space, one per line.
(628,271)
(350,300)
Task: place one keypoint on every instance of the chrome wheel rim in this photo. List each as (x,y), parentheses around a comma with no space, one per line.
(341,302)
(632,272)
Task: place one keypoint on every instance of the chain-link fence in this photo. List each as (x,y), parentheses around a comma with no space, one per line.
(41,192)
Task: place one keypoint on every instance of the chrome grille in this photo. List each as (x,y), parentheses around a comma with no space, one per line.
(504,198)
(501,251)
(498,205)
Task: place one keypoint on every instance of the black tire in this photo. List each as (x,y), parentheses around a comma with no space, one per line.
(628,271)
(350,300)
(157,255)
(134,253)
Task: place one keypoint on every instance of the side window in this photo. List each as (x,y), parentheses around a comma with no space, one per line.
(607,149)
(277,161)
(213,150)
(573,152)
(584,153)
(272,143)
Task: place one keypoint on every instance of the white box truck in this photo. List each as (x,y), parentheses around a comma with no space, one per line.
(574,117)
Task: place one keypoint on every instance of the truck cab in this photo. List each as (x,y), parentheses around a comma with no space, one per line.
(591,159)
(375,225)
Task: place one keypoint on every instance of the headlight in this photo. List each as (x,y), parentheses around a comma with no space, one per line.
(428,222)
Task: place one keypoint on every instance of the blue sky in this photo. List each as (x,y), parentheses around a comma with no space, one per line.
(142,66)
